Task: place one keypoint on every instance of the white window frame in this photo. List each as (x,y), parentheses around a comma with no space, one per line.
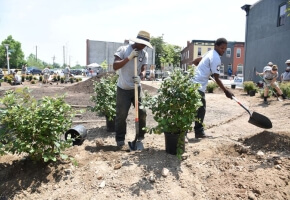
(228,52)
(199,51)
(239,52)
(240,69)
(282,14)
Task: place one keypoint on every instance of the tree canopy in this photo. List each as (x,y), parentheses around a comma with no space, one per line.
(165,54)
(15,53)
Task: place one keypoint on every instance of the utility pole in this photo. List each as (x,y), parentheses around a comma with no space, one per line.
(36,53)
(64,56)
(7,53)
(53,59)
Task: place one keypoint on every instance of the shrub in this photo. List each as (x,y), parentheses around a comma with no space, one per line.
(249,85)
(62,79)
(33,82)
(211,86)
(175,106)
(105,96)
(23,78)
(285,87)
(34,126)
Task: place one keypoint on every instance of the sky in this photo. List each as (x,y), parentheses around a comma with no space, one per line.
(54,28)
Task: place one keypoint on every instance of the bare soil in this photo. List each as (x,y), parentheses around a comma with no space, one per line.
(240,161)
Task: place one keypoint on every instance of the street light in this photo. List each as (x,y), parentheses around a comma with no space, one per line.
(8,68)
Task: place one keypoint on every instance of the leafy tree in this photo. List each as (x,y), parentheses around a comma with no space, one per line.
(165,53)
(16,54)
(104,65)
(288,9)
(158,43)
(31,61)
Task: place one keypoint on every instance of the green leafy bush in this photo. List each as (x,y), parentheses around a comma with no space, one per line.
(105,96)
(285,87)
(34,126)
(175,106)
(211,86)
(249,85)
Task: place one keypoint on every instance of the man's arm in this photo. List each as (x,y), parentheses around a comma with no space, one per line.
(119,63)
(196,61)
(221,85)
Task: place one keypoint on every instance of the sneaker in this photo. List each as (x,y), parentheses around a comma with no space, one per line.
(266,102)
(120,143)
(140,138)
(201,135)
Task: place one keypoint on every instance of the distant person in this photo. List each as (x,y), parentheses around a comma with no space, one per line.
(24,69)
(124,63)
(230,72)
(46,74)
(285,76)
(208,65)
(270,75)
(16,78)
(66,73)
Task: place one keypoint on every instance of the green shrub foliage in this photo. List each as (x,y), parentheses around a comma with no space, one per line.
(34,127)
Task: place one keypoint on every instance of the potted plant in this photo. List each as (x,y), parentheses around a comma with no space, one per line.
(249,86)
(62,80)
(174,108)
(105,99)
(211,86)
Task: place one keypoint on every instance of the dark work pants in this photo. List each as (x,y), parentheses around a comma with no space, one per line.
(124,100)
(198,128)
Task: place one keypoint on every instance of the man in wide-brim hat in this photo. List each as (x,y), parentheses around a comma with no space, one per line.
(124,63)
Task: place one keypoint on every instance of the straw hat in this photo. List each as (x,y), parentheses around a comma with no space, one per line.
(287,61)
(143,37)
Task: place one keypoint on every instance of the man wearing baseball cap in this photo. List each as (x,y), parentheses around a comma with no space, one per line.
(124,63)
(285,77)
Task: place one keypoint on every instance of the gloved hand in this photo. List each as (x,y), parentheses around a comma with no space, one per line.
(133,54)
(137,79)
(229,94)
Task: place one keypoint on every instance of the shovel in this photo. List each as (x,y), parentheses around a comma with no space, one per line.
(136,145)
(255,118)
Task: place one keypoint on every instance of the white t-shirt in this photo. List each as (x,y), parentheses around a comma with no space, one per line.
(126,73)
(268,75)
(209,64)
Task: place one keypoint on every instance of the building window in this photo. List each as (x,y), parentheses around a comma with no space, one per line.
(240,69)
(238,52)
(199,51)
(282,14)
(188,54)
(228,52)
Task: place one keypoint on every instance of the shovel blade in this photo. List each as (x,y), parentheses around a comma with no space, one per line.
(260,121)
(136,146)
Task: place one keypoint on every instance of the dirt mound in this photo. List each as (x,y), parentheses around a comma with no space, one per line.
(87,86)
(269,141)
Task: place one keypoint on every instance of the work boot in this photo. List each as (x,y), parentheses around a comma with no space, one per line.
(201,135)
(266,102)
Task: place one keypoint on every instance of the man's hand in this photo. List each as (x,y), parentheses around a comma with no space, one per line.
(133,54)
(137,79)
(229,94)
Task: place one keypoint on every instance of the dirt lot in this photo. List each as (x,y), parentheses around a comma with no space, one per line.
(240,161)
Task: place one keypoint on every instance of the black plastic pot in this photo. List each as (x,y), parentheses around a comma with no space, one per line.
(110,124)
(78,133)
(252,92)
(171,141)
(233,86)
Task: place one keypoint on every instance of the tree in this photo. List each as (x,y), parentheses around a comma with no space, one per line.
(165,53)
(16,55)
(158,43)
(288,9)
(31,61)
(104,65)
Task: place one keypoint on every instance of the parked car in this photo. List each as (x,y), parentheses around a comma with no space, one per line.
(76,71)
(33,71)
